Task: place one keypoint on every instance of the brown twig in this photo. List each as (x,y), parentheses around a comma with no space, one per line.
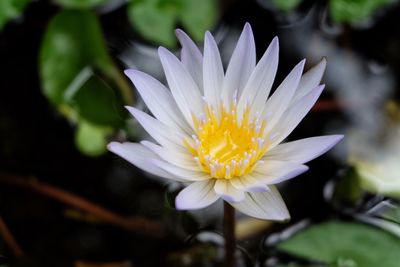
(136,224)
(229,234)
(327,105)
(10,240)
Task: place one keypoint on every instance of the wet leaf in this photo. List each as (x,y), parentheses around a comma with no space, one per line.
(348,189)
(286,5)
(90,139)
(156,20)
(80,3)
(72,60)
(296,265)
(73,41)
(352,11)
(198,17)
(344,244)
(11,9)
(97,102)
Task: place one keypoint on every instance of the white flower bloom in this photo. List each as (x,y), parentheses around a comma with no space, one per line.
(220,133)
(377,162)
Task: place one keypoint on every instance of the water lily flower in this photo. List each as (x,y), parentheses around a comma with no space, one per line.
(219,132)
(377,163)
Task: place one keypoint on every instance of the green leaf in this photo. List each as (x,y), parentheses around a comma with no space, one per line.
(296,265)
(198,17)
(90,139)
(286,5)
(155,22)
(351,11)
(79,3)
(345,244)
(156,19)
(348,189)
(73,57)
(96,102)
(11,9)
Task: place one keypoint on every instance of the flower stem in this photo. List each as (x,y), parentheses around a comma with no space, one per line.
(229,234)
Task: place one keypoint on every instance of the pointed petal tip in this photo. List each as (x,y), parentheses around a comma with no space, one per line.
(132,73)
(303,169)
(129,108)
(179,31)
(337,138)
(322,64)
(275,41)
(320,87)
(274,45)
(181,34)
(133,111)
(301,65)
(247,27)
(162,51)
(208,37)
(128,72)
(111,146)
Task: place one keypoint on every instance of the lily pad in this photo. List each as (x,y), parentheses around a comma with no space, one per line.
(352,11)
(91,139)
(286,5)
(77,71)
(156,20)
(11,9)
(80,3)
(345,244)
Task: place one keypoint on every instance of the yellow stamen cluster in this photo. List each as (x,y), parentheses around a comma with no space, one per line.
(224,146)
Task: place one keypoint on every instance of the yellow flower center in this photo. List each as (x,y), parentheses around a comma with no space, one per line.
(224,147)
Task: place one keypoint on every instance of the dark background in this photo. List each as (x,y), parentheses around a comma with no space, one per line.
(36,143)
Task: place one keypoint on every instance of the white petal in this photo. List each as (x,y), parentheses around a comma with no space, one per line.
(265,205)
(177,158)
(191,58)
(241,65)
(260,82)
(280,99)
(183,174)
(183,88)
(227,191)
(159,100)
(196,196)
(304,150)
(213,72)
(273,171)
(293,116)
(310,80)
(248,183)
(164,135)
(138,155)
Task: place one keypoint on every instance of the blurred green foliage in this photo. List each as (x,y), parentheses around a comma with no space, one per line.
(341,11)
(348,188)
(11,9)
(343,244)
(91,139)
(156,20)
(80,3)
(286,5)
(351,11)
(80,78)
